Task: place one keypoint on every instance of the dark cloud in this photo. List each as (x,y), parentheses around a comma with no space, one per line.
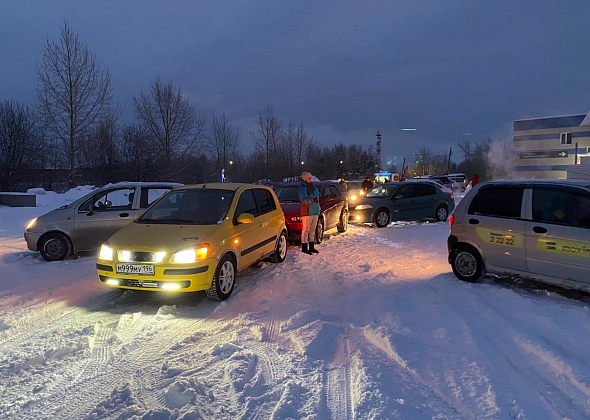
(344,68)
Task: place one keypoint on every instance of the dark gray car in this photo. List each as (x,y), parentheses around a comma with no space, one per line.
(403,201)
(89,221)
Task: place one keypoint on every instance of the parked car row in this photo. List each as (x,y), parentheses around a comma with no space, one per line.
(165,236)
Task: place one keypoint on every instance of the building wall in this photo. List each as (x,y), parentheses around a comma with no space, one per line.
(541,136)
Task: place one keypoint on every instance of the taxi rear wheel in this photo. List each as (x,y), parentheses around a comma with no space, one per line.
(281,250)
(224,279)
(467,264)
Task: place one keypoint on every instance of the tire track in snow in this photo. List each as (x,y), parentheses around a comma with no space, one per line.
(139,365)
(337,385)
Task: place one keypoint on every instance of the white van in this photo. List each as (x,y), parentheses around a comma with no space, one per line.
(537,229)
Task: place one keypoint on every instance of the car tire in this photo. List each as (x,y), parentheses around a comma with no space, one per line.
(343,225)
(281,249)
(467,264)
(382,218)
(319,231)
(54,246)
(442,213)
(224,279)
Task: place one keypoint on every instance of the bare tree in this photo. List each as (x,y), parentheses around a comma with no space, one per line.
(20,142)
(102,151)
(138,154)
(266,139)
(169,118)
(72,90)
(223,141)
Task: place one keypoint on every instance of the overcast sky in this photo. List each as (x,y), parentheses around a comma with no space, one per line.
(343,68)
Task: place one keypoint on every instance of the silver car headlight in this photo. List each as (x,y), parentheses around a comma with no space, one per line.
(31,223)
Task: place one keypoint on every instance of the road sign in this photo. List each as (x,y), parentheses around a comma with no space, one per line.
(544,154)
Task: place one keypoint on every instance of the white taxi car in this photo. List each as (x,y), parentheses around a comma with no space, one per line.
(538,229)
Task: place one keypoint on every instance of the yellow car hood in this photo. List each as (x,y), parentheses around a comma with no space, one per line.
(159,237)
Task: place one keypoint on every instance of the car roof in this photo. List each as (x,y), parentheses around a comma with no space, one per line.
(231,186)
(576,182)
(143,184)
(317,184)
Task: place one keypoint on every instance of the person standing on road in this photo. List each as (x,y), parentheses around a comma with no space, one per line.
(367,184)
(343,183)
(474,180)
(309,196)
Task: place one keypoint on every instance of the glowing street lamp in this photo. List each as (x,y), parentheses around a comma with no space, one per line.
(302,162)
(231,162)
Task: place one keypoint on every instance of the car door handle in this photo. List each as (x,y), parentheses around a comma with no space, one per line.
(124,215)
(473,222)
(539,229)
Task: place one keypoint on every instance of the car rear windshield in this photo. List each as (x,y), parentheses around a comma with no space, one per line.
(498,202)
(190,207)
(288,194)
(382,191)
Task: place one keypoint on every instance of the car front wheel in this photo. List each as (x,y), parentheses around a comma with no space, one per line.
(54,247)
(224,279)
(467,264)
(382,218)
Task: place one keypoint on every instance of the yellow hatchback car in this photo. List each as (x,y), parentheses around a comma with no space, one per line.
(196,238)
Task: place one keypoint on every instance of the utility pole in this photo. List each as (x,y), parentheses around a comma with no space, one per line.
(379,135)
(449,161)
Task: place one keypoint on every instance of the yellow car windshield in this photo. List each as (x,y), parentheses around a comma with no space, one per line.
(203,206)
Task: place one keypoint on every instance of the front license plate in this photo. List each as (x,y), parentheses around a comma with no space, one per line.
(136,269)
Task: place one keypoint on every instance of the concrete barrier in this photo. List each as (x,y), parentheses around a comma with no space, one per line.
(18,200)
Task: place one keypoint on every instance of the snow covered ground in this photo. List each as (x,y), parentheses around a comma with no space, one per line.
(374,327)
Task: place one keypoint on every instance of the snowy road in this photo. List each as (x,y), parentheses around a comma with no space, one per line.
(374,327)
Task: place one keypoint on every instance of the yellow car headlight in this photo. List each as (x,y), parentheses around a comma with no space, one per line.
(106,253)
(188,256)
(31,223)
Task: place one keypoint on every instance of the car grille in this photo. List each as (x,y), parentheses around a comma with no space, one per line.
(141,257)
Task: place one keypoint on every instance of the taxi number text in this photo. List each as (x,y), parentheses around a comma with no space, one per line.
(136,269)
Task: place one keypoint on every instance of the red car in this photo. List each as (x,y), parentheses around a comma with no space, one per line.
(334,208)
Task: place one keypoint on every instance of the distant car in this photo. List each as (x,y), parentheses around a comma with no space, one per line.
(355,191)
(333,203)
(445,181)
(435,182)
(460,181)
(87,222)
(538,229)
(408,200)
(196,238)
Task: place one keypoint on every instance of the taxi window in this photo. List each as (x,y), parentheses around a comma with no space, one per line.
(246,204)
(561,206)
(498,202)
(265,201)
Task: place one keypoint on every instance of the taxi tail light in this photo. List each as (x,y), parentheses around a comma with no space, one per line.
(452,220)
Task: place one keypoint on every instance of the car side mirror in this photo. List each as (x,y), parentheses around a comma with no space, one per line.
(245,218)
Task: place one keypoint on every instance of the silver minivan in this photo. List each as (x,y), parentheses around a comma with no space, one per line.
(537,229)
(89,221)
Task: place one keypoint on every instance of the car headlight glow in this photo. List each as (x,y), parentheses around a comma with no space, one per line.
(31,223)
(362,192)
(124,256)
(189,256)
(106,253)
(363,207)
(113,282)
(353,197)
(171,286)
